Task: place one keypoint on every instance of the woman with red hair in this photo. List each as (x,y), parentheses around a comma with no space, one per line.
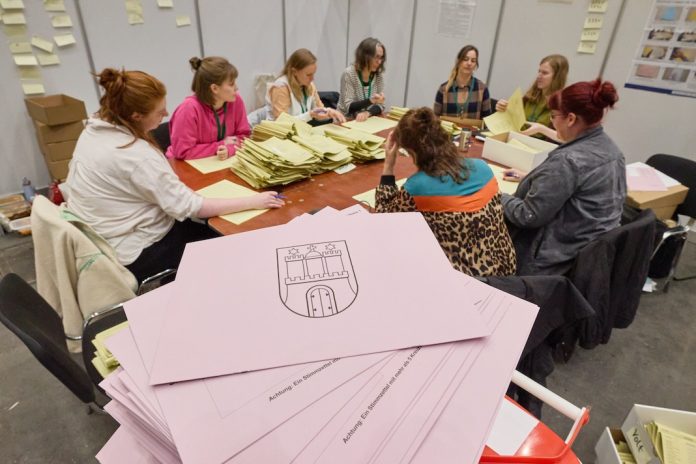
(577,193)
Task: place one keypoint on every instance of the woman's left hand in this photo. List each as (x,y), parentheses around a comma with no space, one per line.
(362,116)
(391,150)
(337,116)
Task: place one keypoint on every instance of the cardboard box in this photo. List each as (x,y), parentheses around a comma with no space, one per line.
(58,151)
(605,449)
(496,148)
(637,437)
(662,203)
(58,169)
(61,133)
(53,110)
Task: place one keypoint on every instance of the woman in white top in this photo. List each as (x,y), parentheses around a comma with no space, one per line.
(124,188)
(294,91)
(362,83)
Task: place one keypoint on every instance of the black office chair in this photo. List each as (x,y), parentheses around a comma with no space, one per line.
(329,99)
(668,251)
(39,327)
(161,135)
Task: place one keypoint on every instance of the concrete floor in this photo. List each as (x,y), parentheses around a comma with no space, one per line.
(651,362)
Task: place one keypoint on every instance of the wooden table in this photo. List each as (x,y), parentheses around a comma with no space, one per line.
(326,189)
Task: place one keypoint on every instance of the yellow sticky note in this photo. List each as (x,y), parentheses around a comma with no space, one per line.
(20,47)
(43,44)
(64,40)
(25,60)
(165,3)
(598,6)
(61,20)
(183,20)
(593,22)
(30,73)
(54,5)
(134,10)
(227,189)
(33,89)
(48,59)
(590,35)
(16,32)
(14,17)
(587,47)
(12,4)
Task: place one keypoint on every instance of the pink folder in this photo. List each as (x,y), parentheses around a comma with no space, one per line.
(308,291)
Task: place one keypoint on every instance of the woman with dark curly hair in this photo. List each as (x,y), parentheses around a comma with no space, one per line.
(458,197)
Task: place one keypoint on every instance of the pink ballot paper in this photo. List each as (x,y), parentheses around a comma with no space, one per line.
(319,289)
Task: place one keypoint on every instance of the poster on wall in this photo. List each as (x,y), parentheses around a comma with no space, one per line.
(665,61)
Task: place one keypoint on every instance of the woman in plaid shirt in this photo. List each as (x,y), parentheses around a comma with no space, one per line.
(463,95)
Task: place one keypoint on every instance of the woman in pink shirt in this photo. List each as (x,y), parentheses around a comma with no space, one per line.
(212,121)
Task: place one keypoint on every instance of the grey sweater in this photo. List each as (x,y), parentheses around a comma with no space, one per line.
(571,198)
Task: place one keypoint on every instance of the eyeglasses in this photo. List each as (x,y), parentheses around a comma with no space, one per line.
(557,115)
(378,57)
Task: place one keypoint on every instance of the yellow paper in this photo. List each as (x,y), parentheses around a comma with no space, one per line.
(598,6)
(183,20)
(103,352)
(43,44)
(522,146)
(20,47)
(165,3)
(101,367)
(63,40)
(54,5)
(12,4)
(372,124)
(13,18)
(134,10)
(227,189)
(510,120)
(33,89)
(16,32)
(210,164)
(25,60)
(30,72)
(61,20)
(593,22)
(587,47)
(48,59)
(369,196)
(504,186)
(590,35)
(672,445)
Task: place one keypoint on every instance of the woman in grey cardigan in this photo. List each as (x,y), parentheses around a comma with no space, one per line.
(362,83)
(577,193)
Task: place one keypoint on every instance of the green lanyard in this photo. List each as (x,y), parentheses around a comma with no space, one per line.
(221,129)
(367,84)
(534,114)
(465,106)
(303,106)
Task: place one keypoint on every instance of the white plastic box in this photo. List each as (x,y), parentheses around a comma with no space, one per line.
(496,148)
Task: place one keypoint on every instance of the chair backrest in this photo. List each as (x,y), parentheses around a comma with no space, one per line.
(683,170)
(39,327)
(161,135)
(94,326)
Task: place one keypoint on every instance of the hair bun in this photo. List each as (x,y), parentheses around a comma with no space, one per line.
(112,80)
(195,63)
(604,94)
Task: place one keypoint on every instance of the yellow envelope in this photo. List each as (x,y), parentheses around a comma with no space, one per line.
(227,189)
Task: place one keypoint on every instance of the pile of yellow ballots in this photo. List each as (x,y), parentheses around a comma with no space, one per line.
(362,146)
(398,112)
(103,360)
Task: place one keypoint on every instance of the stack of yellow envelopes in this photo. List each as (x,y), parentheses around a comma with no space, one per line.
(273,162)
(103,360)
(361,145)
(331,153)
(398,112)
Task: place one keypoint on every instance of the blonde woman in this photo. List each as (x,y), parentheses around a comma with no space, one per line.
(463,95)
(551,76)
(294,91)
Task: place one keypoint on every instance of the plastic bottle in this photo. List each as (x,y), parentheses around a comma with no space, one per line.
(28,190)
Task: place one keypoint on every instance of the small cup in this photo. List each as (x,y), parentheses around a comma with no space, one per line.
(464,140)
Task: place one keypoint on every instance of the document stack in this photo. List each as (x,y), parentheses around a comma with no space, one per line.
(302,343)
(398,112)
(362,146)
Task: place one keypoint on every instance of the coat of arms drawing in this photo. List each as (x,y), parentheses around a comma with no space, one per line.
(316,279)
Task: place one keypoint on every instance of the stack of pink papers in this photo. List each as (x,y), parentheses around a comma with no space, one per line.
(339,337)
